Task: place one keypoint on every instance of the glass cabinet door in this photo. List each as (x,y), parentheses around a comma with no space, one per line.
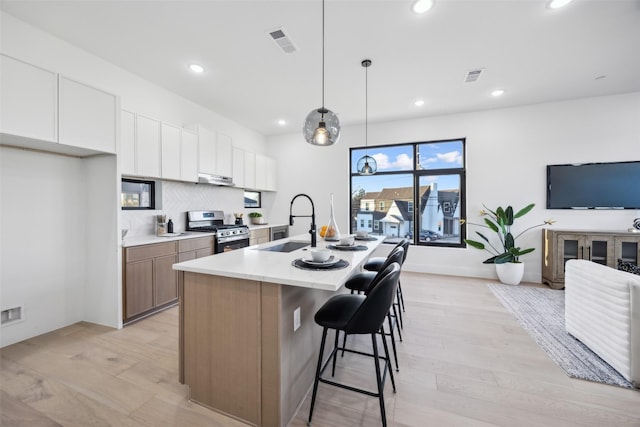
(627,249)
(570,246)
(599,249)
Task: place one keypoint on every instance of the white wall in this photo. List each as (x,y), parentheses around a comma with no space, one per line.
(507,152)
(42,248)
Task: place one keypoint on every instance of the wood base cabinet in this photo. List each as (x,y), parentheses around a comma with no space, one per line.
(259,236)
(601,247)
(149,282)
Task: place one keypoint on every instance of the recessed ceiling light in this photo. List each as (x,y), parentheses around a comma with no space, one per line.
(419,103)
(196,68)
(557,4)
(282,122)
(422,6)
(497,92)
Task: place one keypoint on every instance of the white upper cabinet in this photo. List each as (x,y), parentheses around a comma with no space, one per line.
(206,151)
(154,149)
(42,105)
(147,147)
(249,170)
(170,137)
(87,116)
(127,153)
(189,156)
(224,155)
(238,167)
(261,172)
(29,100)
(271,175)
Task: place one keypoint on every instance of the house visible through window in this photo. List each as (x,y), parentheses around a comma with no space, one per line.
(417,192)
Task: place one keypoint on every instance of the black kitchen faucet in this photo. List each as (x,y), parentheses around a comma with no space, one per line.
(312,231)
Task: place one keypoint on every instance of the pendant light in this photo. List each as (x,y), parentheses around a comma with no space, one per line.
(322,126)
(367,165)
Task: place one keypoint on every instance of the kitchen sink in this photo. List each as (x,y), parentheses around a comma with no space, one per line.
(286,247)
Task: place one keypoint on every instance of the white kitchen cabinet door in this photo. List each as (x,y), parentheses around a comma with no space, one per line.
(87,116)
(271,175)
(261,172)
(147,146)
(249,170)
(206,151)
(170,154)
(29,103)
(238,167)
(224,155)
(189,156)
(127,153)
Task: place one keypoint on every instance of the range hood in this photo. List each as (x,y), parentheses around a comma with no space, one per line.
(206,178)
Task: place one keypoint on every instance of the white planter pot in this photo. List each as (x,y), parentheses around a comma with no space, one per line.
(510,273)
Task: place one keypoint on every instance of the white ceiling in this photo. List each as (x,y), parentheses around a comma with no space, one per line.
(534,53)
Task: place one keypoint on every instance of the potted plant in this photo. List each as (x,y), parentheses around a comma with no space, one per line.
(256,218)
(505,254)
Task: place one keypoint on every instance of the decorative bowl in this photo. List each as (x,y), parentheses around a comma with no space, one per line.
(320,254)
(347,240)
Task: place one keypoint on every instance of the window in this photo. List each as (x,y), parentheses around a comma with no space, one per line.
(137,194)
(252,199)
(419,191)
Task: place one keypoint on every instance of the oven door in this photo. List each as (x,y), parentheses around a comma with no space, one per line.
(231,243)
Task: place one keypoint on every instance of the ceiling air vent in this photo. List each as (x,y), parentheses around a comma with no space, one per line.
(282,40)
(473,75)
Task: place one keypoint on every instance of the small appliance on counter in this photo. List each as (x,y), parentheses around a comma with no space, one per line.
(227,236)
(238,217)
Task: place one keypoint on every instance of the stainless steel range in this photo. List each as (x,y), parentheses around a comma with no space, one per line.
(227,236)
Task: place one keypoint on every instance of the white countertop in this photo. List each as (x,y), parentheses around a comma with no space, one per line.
(251,263)
(261,226)
(152,238)
(149,239)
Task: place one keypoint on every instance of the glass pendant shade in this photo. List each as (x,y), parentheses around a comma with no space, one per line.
(321,127)
(367,165)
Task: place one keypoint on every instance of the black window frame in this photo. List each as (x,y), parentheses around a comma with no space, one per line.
(152,197)
(259,193)
(417,174)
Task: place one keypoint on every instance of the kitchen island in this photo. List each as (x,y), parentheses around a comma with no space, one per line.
(240,353)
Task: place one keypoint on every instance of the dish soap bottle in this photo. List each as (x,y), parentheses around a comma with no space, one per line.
(170,227)
(331,232)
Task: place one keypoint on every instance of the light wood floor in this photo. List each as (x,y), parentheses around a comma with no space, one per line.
(464,361)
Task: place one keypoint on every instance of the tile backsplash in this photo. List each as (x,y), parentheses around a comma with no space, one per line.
(177,199)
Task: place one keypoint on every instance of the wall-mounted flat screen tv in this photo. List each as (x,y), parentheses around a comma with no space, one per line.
(594,186)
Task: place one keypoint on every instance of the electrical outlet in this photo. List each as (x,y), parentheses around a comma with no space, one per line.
(296,319)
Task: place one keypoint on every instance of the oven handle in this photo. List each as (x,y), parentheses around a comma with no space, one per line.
(233,238)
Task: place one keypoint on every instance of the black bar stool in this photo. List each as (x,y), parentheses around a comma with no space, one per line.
(359,314)
(375,263)
(361,282)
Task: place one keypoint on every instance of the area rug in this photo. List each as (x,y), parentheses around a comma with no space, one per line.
(540,311)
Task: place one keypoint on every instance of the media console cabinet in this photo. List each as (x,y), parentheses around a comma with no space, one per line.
(603,247)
